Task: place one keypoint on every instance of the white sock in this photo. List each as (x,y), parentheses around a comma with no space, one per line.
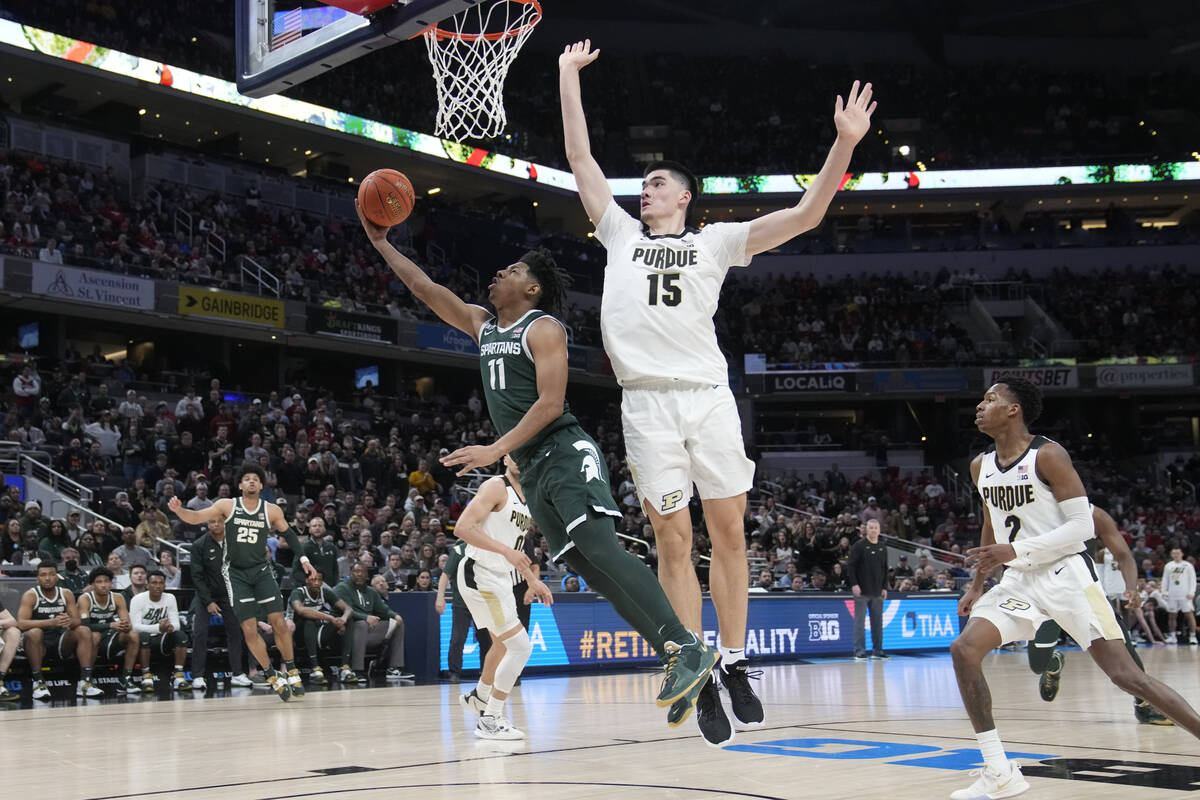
(495,707)
(731,655)
(484,690)
(992,750)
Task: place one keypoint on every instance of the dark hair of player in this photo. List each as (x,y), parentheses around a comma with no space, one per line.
(155,573)
(252,469)
(100,572)
(47,563)
(681,174)
(1028,397)
(552,280)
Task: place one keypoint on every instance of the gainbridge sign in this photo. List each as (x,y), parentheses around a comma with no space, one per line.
(197,302)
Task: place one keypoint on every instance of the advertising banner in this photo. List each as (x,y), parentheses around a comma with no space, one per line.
(92,286)
(431,336)
(1049,377)
(198,302)
(584,630)
(808,382)
(352,325)
(1143,376)
(919,380)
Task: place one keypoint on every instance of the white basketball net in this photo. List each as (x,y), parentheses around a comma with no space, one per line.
(471,54)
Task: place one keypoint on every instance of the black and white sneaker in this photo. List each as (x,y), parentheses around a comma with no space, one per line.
(747,708)
(471,701)
(710,716)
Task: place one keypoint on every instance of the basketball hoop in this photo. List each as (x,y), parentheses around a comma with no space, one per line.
(471,55)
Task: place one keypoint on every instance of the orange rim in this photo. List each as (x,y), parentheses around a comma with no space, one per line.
(443,35)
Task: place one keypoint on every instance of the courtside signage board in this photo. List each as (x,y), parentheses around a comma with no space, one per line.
(198,302)
(584,630)
(26,37)
(90,286)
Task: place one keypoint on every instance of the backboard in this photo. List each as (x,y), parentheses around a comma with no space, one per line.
(282,43)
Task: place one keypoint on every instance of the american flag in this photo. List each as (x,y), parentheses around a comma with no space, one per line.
(293,29)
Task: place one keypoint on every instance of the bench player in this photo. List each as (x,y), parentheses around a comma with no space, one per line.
(102,612)
(1036,501)
(248,576)
(523,362)
(49,620)
(680,421)
(313,606)
(494,526)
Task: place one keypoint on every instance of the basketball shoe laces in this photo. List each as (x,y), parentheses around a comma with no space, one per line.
(739,687)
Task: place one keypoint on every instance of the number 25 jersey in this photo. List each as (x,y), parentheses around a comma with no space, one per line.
(660,294)
(246,535)
(1019,503)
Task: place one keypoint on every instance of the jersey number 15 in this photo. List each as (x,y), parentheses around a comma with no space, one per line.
(671,294)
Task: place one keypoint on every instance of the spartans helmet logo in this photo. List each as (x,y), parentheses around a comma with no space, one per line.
(591,460)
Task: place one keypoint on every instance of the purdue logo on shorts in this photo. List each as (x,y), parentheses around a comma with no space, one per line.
(669,501)
(1013,604)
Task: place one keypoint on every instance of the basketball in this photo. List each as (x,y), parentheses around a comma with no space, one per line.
(386,197)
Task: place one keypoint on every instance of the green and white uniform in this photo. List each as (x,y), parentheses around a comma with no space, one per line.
(317,633)
(100,619)
(49,608)
(249,579)
(562,472)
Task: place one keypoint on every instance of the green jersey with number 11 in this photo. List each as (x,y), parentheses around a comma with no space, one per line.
(510,379)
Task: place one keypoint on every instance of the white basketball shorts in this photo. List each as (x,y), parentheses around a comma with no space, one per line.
(1065,591)
(675,438)
(1174,603)
(488,595)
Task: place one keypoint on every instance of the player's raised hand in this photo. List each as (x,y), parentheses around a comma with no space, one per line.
(577,56)
(174,504)
(473,456)
(309,569)
(853,117)
(375,233)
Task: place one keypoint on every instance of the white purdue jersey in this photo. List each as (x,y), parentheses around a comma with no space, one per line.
(660,294)
(509,526)
(1019,503)
(1111,578)
(1179,580)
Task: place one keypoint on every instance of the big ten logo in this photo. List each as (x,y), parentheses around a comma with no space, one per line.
(824,628)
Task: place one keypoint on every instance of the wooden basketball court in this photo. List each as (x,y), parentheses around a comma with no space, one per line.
(834,729)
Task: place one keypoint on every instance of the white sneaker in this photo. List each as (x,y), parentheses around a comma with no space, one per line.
(41,691)
(88,689)
(991,785)
(241,680)
(498,727)
(199,685)
(1170,638)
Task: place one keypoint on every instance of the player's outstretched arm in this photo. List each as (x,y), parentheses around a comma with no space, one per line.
(548,346)
(279,522)
(1110,537)
(449,307)
(218,510)
(852,120)
(593,186)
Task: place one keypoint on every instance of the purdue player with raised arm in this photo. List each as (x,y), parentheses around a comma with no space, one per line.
(49,620)
(106,619)
(680,421)
(1035,500)
(523,361)
(494,526)
(1044,657)
(248,576)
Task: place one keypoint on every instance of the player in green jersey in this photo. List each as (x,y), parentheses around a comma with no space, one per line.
(523,361)
(104,614)
(49,619)
(313,605)
(248,576)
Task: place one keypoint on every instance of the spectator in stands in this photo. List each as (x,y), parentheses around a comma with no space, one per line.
(154,526)
(189,400)
(903,570)
(369,629)
(27,389)
(11,542)
(423,582)
(70,576)
(137,582)
(166,565)
(51,545)
(89,554)
(130,552)
(872,511)
(34,521)
(131,409)
(765,582)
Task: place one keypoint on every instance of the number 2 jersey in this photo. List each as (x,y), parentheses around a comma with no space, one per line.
(660,294)
(1019,503)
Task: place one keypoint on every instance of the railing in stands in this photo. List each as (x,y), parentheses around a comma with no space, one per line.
(257,278)
(26,463)
(215,243)
(86,515)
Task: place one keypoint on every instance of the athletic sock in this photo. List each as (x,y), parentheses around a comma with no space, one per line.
(992,750)
(484,690)
(85,673)
(731,655)
(495,707)
(288,666)
(179,667)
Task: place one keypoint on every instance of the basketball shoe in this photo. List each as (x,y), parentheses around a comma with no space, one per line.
(471,701)
(747,708)
(317,676)
(1149,715)
(279,683)
(295,684)
(687,666)
(1051,677)
(497,727)
(992,785)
